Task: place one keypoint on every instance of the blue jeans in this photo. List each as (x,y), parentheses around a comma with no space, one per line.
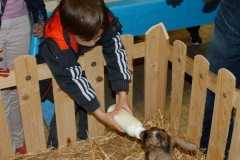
(223,52)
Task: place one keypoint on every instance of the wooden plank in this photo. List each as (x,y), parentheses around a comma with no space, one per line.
(235,147)
(178,75)
(65,116)
(155,68)
(198,99)
(94,66)
(30,104)
(221,114)
(138,52)
(51,5)
(6,144)
(10,81)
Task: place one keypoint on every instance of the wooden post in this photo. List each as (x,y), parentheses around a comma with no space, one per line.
(94,66)
(155,68)
(198,99)
(30,105)
(221,114)
(65,116)
(178,74)
(235,147)
(6,144)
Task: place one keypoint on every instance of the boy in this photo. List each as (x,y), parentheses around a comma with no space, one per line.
(75,27)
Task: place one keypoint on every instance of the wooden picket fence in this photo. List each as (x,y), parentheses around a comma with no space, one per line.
(157,52)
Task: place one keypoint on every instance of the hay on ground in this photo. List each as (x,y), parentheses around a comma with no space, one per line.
(112,146)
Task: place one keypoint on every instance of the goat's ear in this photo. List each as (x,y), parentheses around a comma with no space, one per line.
(182,143)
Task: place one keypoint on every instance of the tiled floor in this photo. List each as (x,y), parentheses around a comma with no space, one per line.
(192,50)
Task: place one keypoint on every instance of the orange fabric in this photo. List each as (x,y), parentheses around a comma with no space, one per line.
(54,31)
(111,19)
(74,43)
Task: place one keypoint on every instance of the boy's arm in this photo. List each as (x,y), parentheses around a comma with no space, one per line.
(38,11)
(116,59)
(69,75)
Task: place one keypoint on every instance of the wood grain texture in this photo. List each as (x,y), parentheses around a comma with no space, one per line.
(221,114)
(95,128)
(6,143)
(155,70)
(30,103)
(198,99)
(65,116)
(178,77)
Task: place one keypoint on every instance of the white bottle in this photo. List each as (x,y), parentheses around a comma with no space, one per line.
(131,125)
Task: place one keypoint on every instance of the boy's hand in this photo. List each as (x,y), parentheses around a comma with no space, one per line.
(123,102)
(38,30)
(1,49)
(107,118)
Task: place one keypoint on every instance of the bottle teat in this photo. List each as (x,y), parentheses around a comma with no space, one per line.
(138,132)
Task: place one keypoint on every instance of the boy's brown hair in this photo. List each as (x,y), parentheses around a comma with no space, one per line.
(84,17)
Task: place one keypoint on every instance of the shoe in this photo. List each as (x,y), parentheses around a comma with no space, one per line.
(4,72)
(196,40)
(22,150)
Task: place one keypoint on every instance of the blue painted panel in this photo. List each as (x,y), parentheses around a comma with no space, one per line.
(137,16)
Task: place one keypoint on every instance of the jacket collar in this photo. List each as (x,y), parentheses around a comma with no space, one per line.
(54,30)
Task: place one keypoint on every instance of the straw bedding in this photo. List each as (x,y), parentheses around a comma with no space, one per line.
(112,146)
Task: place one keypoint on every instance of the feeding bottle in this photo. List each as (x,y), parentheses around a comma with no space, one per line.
(131,125)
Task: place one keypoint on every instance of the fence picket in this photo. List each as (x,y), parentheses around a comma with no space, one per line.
(29,101)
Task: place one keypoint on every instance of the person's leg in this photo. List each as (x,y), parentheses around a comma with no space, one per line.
(193,30)
(17,44)
(82,128)
(52,137)
(3,65)
(82,124)
(207,119)
(194,35)
(223,52)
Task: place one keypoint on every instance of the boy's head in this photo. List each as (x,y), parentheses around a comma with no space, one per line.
(84,18)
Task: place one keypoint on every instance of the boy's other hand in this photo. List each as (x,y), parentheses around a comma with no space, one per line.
(123,102)
(38,30)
